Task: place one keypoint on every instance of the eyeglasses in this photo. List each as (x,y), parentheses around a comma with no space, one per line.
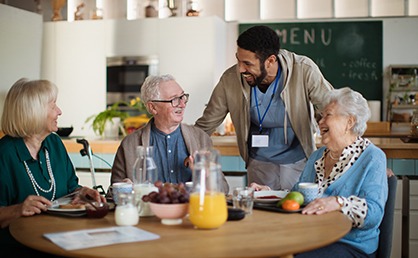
(175,102)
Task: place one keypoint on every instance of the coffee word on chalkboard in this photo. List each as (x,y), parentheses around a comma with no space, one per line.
(348,53)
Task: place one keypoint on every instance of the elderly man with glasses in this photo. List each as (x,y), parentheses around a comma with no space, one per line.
(174,142)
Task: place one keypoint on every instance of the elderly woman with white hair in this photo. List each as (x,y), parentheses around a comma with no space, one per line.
(351,174)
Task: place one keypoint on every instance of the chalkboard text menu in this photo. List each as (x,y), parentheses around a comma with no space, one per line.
(348,53)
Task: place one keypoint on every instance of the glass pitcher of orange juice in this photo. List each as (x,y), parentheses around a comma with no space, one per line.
(207,205)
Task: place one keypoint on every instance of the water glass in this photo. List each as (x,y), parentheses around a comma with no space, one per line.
(243,198)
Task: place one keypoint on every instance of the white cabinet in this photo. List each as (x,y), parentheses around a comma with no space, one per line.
(397,223)
(192,49)
(74,59)
(413,218)
(20,47)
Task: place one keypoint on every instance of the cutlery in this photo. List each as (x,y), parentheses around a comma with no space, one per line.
(64,199)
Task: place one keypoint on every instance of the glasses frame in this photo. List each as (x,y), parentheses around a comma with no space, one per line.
(179,99)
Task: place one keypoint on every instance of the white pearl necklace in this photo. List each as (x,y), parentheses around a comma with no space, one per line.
(35,184)
(332,157)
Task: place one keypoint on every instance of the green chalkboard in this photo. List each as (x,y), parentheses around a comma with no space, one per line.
(348,53)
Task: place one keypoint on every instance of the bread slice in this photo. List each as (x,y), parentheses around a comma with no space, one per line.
(72,206)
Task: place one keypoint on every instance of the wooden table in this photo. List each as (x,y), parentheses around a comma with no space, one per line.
(262,234)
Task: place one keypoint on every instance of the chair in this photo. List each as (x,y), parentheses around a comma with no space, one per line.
(386,227)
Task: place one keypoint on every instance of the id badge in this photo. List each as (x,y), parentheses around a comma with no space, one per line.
(260,140)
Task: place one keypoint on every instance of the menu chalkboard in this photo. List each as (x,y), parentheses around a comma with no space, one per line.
(348,53)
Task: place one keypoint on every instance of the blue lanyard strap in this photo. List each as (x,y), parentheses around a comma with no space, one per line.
(261,119)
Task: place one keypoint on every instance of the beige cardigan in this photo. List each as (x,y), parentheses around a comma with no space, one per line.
(304,86)
(194,138)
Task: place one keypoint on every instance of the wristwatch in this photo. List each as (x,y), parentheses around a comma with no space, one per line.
(340,201)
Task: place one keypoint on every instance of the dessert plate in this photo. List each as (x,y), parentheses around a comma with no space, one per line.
(269,196)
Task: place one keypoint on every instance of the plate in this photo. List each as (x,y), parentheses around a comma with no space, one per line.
(264,196)
(263,206)
(288,211)
(57,209)
(67,212)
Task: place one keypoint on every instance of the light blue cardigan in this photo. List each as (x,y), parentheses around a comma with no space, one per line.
(366,178)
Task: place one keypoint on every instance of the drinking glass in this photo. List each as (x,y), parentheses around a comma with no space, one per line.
(243,198)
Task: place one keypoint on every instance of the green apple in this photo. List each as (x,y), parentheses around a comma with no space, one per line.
(294,195)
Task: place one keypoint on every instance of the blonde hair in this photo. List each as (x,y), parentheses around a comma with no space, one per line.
(25,109)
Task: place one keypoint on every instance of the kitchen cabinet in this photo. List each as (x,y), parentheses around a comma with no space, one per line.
(397,223)
(20,47)
(403,96)
(413,218)
(74,59)
(192,49)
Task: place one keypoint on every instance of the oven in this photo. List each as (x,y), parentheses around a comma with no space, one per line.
(125,76)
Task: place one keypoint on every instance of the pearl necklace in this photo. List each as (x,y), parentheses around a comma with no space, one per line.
(333,158)
(35,184)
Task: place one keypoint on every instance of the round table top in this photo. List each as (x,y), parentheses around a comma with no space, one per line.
(261,234)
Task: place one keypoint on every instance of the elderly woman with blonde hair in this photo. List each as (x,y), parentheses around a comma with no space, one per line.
(35,166)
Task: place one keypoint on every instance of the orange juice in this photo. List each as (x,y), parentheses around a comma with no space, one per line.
(209,211)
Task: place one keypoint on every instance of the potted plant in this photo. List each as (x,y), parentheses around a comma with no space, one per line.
(100,120)
(113,113)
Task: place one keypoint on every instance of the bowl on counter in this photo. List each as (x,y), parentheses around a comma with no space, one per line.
(65,131)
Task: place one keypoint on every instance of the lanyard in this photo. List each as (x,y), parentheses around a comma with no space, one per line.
(261,119)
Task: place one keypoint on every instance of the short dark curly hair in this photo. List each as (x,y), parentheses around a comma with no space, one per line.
(261,40)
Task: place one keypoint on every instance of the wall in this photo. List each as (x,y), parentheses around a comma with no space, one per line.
(20,47)
(400,37)
(192,49)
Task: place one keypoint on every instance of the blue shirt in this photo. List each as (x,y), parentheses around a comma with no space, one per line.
(169,154)
(280,150)
(366,178)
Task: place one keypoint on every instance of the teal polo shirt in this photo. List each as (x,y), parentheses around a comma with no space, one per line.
(15,184)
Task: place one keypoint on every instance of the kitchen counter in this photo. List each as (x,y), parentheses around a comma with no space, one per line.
(393,147)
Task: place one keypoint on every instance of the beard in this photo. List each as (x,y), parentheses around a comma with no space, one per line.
(258,80)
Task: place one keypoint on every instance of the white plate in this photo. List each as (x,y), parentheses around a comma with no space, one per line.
(278,194)
(65,210)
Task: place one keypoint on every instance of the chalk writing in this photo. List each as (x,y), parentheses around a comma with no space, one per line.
(297,36)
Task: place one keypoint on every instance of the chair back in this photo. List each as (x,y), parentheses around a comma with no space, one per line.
(386,227)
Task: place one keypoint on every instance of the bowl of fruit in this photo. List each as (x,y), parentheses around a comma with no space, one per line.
(170,203)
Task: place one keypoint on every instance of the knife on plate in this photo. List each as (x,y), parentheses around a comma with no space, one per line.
(64,199)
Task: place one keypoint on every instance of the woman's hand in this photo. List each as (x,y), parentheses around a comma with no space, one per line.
(89,194)
(258,187)
(34,204)
(322,206)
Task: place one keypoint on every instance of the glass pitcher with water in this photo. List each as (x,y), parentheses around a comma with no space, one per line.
(145,174)
(207,207)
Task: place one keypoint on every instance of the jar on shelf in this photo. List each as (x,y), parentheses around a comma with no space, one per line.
(414,124)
